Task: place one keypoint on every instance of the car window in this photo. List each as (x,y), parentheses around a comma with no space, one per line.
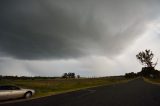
(9,88)
(4,88)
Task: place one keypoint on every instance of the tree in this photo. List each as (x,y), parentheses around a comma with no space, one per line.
(78,76)
(145,57)
(130,75)
(71,75)
(65,75)
(68,75)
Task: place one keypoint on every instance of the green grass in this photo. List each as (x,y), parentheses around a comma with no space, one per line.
(49,87)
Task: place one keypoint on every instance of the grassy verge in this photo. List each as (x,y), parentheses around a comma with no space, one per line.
(56,86)
(153,81)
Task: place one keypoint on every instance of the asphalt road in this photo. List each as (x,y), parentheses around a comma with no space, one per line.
(133,93)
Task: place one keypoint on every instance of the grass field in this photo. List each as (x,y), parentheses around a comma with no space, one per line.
(45,87)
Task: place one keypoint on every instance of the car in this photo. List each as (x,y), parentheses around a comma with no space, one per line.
(13,92)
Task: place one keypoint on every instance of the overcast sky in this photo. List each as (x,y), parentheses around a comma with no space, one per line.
(88,37)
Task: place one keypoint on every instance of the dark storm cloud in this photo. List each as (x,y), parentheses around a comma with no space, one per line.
(42,29)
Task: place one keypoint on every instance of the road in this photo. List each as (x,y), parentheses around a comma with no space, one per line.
(133,93)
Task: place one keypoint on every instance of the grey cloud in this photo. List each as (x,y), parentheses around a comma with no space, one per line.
(67,29)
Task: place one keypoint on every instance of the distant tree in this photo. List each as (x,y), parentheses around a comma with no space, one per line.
(65,75)
(130,75)
(68,75)
(145,57)
(71,75)
(78,76)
